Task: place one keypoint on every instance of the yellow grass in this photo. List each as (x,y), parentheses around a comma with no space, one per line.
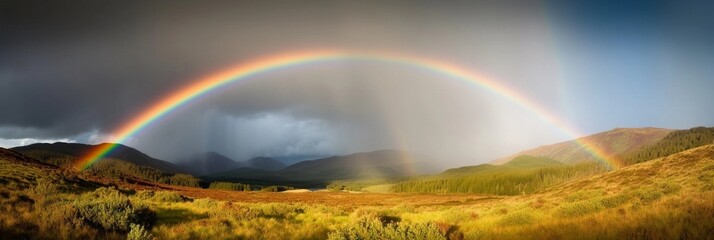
(667,198)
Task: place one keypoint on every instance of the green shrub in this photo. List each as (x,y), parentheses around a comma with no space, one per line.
(517,218)
(168,196)
(648,195)
(205,203)
(373,228)
(138,232)
(580,208)
(668,187)
(108,209)
(57,216)
(654,193)
(277,210)
(46,187)
(230,210)
(614,201)
(583,195)
(145,195)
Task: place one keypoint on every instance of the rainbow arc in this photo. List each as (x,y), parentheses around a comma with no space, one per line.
(250,69)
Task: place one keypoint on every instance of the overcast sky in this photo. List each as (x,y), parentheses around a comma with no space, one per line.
(77,70)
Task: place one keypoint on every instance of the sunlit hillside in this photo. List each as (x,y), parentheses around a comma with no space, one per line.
(614,142)
(664,198)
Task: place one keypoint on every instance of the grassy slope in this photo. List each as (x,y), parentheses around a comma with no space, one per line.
(64,155)
(524,174)
(674,142)
(75,150)
(666,198)
(613,142)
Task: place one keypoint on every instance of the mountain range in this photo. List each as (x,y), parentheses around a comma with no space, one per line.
(60,153)
(376,164)
(261,170)
(564,159)
(200,164)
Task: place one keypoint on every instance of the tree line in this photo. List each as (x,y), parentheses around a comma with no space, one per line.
(674,142)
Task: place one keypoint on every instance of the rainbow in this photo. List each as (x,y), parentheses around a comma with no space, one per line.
(267,64)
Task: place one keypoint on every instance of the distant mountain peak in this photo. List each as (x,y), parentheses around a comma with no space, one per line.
(204,163)
(265,163)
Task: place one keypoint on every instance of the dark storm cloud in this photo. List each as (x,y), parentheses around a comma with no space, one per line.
(69,68)
(77,70)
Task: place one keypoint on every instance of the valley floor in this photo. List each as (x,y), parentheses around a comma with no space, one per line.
(345,200)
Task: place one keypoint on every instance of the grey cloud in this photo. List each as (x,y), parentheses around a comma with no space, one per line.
(80,69)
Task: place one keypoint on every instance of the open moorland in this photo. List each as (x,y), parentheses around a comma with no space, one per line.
(664,198)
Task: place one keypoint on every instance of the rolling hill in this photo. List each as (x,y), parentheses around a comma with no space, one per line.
(674,142)
(200,164)
(265,163)
(527,174)
(377,164)
(123,163)
(614,142)
(60,153)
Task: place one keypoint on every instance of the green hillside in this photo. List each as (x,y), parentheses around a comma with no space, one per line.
(614,142)
(61,154)
(674,142)
(524,174)
(56,153)
(527,174)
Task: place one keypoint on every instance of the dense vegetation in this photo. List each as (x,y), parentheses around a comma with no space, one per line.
(276,188)
(118,169)
(46,203)
(524,174)
(674,142)
(230,186)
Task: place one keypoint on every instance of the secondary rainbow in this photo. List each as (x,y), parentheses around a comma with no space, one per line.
(252,68)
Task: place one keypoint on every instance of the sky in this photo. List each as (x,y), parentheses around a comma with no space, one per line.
(75,71)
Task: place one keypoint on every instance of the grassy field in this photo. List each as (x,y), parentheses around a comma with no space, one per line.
(666,198)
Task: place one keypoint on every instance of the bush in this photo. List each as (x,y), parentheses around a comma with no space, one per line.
(649,195)
(205,203)
(58,216)
(277,210)
(168,196)
(579,208)
(517,218)
(654,193)
(373,228)
(46,187)
(145,195)
(108,209)
(614,201)
(138,232)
